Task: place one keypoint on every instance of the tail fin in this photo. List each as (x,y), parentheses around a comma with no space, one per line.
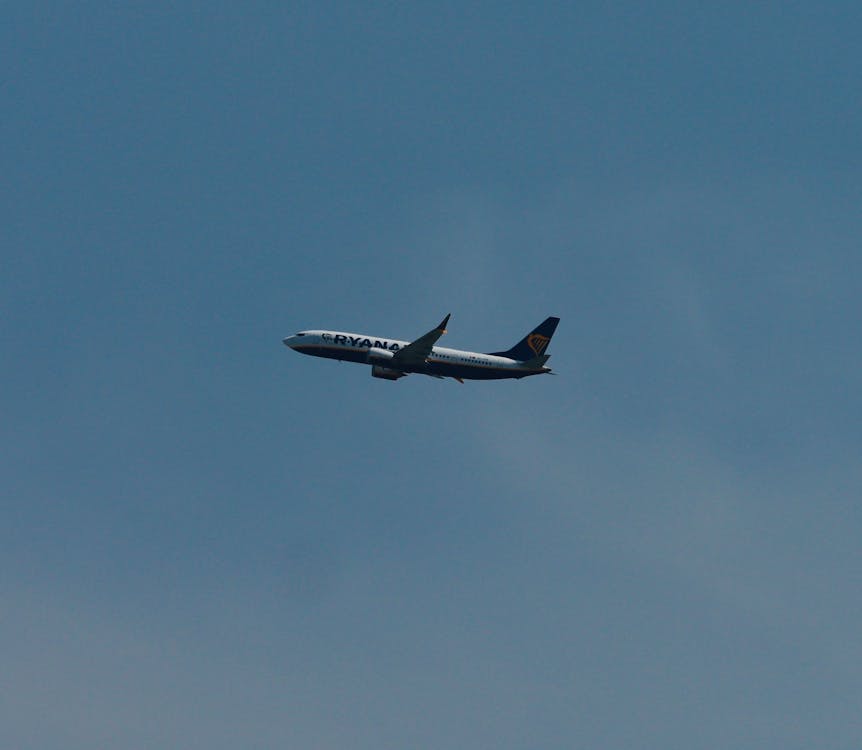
(533,345)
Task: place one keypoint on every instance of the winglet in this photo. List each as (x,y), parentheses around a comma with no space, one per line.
(442,326)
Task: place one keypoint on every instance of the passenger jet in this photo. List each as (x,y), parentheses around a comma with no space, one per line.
(391,359)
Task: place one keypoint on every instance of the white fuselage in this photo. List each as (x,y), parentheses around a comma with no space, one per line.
(441,362)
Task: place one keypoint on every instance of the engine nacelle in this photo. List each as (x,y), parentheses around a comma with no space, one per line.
(385,373)
(378,356)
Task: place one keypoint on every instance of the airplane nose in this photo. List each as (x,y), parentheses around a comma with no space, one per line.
(288,341)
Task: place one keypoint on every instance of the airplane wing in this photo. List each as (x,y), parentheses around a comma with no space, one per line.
(416,352)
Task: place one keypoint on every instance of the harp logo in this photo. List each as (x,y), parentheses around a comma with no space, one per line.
(537,343)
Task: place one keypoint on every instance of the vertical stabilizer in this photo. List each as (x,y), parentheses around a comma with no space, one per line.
(534,344)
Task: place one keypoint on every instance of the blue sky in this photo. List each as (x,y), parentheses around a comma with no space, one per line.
(210,541)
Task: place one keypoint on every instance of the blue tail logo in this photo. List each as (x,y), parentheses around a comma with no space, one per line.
(533,344)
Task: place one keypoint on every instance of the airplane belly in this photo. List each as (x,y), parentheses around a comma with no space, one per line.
(468,372)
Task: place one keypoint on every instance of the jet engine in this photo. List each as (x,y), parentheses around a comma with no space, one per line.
(385,373)
(378,356)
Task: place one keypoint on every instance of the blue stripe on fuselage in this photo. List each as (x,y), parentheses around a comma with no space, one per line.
(346,353)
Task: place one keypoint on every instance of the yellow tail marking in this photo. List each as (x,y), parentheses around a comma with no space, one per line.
(537,343)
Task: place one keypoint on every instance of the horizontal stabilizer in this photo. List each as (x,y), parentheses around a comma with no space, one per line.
(536,363)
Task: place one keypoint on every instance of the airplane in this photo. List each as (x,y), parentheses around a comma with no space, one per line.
(391,359)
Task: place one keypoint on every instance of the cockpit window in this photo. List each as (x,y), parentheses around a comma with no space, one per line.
(301,334)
